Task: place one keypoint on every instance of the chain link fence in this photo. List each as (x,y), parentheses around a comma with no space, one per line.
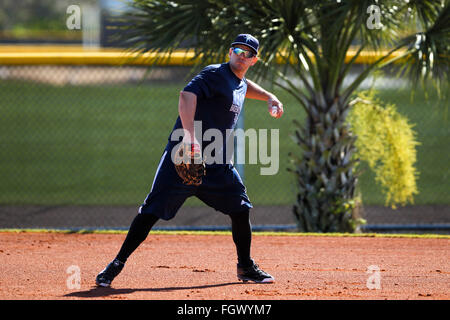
(80,146)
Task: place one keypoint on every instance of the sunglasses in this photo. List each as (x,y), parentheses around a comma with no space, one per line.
(247,53)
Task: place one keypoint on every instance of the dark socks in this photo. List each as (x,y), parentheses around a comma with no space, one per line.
(242,236)
(143,223)
(138,232)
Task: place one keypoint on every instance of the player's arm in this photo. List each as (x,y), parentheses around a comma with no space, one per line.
(187,105)
(188,160)
(255,91)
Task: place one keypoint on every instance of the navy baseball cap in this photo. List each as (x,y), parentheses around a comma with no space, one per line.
(248,40)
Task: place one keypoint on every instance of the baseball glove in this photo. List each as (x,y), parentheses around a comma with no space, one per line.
(189,164)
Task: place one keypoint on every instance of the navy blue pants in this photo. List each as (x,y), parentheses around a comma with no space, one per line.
(222,189)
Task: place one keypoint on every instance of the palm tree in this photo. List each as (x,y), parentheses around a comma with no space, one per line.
(311,39)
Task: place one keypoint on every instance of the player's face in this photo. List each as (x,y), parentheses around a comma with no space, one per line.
(239,61)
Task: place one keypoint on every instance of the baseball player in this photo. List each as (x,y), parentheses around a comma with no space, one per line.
(214,97)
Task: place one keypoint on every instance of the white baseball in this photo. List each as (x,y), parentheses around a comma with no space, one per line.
(274,111)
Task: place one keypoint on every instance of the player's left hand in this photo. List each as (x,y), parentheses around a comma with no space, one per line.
(189,164)
(274,102)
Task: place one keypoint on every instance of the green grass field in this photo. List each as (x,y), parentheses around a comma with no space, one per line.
(100,145)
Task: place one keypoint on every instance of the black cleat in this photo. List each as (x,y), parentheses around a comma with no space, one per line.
(253,273)
(111,271)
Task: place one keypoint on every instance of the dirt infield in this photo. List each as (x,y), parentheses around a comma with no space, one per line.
(185,267)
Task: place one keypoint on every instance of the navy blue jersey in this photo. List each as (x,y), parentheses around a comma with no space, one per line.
(220,99)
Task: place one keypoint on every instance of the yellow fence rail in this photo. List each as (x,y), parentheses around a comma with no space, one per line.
(77,55)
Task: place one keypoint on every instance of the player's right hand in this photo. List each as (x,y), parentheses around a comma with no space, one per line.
(275,107)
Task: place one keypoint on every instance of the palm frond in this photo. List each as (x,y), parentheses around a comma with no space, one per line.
(305,38)
(428,55)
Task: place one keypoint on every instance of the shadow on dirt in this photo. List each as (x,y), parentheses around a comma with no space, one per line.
(96,292)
